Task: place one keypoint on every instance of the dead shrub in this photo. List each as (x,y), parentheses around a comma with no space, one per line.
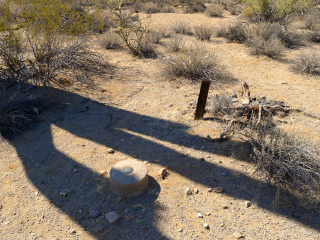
(167,9)
(154,36)
(203,32)
(221,105)
(181,27)
(272,47)
(151,7)
(215,10)
(176,44)
(235,33)
(307,62)
(196,63)
(312,21)
(314,37)
(290,163)
(194,6)
(110,40)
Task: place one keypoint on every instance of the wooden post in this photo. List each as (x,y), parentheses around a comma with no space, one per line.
(202,100)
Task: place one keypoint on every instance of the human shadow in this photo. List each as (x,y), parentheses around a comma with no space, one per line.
(74,187)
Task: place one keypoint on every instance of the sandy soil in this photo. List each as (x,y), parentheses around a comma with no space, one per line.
(54,174)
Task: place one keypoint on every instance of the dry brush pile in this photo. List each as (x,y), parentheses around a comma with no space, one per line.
(290,163)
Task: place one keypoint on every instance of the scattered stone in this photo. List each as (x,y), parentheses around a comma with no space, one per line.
(238,235)
(225,207)
(188,192)
(64,192)
(196,191)
(206,226)
(73,231)
(247,204)
(145,162)
(93,213)
(110,150)
(180,230)
(210,189)
(200,215)
(163,173)
(157,161)
(37,193)
(220,161)
(202,159)
(129,216)
(222,225)
(208,213)
(218,189)
(112,217)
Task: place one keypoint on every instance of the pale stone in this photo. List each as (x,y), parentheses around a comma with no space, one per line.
(112,217)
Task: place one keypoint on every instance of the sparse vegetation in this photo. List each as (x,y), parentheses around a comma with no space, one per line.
(181,27)
(307,62)
(203,32)
(215,10)
(110,40)
(176,44)
(235,32)
(196,63)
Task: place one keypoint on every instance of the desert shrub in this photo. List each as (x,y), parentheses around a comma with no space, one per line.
(203,32)
(312,22)
(110,40)
(307,62)
(167,9)
(235,33)
(194,6)
(176,44)
(181,27)
(165,32)
(235,9)
(275,10)
(221,105)
(314,37)
(196,63)
(18,104)
(215,10)
(290,163)
(132,31)
(154,36)
(151,7)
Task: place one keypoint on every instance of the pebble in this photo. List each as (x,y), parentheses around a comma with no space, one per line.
(196,191)
(247,204)
(210,189)
(208,213)
(200,215)
(72,231)
(202,159)
(112,217)
(238,235)
(206,226)
(188,192)
(110,150)
(163,173)
(180,230)
(93,213)
(225,207)
(218,189)
(64,192)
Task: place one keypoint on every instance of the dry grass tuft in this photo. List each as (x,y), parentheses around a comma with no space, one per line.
(215,10)
(181,27)
(203,32)
(307,62)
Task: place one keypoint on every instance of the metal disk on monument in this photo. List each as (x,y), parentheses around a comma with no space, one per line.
(129,178)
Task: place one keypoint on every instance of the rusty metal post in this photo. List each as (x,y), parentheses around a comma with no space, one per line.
(202,100)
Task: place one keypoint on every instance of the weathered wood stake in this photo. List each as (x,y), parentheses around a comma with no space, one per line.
(202,100)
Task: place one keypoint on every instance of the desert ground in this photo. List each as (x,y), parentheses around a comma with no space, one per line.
(54,174)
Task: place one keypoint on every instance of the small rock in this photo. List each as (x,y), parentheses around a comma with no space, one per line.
(180,230)
(145,162)
(206,226)
(238,235)
(163,173)
(72,231)
(220,161)
(224,207)
(157,161)
(195,190)
(222,225)
(110,150)
(200,215)
(210,189)
(218,189)
(112,217)
(208,213)
(64,192)
(188,192)
(93,213)
(202,159)
(37,193)
(247,204)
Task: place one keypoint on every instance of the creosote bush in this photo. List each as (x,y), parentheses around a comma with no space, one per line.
(196,63)
(307,62)
(235,33)
(110,40)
